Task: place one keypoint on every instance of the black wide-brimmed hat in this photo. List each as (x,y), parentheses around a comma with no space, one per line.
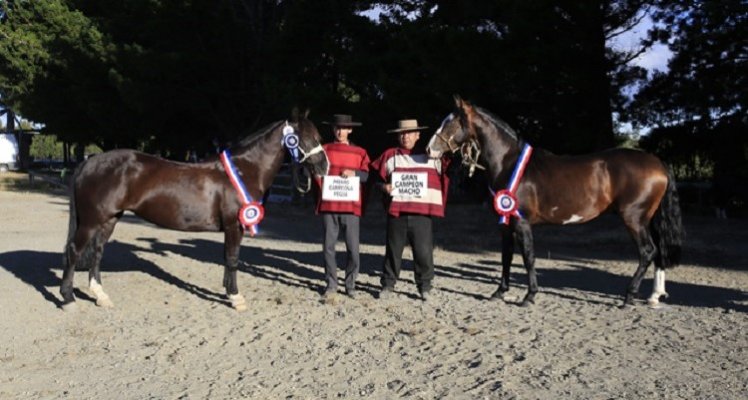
(406,125)
(342,120)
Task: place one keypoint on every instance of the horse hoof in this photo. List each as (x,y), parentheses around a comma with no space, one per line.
(71,307)
(104,302)
(627,304)
(654,303)
(496,296)
(238,302)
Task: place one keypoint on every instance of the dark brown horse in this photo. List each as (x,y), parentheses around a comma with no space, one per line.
(567,190)
(174,195)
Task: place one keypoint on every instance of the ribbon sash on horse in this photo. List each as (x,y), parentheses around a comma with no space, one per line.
(252,212)
(505,201)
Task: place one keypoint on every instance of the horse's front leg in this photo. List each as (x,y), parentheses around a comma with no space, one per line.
(507,253)
(524,236)
(232,244)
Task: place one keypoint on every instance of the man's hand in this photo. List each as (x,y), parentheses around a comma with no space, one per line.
(348,173)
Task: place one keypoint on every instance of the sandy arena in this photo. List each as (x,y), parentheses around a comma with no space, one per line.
(173,335)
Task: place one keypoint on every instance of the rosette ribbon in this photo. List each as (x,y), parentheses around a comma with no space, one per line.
(251,212)
(505,201)
(291,142)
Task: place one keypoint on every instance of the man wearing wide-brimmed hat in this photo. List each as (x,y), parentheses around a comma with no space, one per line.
(346,161)
(415,187)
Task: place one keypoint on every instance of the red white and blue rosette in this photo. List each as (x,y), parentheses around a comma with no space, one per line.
(505,201)
(291,141)
(252,211)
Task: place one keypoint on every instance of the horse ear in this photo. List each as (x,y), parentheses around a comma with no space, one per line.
(463,106)
(458,100)
(295,113)
(306,113)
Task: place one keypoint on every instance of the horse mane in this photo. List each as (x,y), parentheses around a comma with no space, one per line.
(498,122)
(257,135)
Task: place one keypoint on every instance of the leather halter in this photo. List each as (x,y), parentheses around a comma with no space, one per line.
(450,141)
(304,155)
(469,150)
(294,149)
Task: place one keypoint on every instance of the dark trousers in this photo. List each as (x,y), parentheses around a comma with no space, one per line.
(333,224)
(417,231)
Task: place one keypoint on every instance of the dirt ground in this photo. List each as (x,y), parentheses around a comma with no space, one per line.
(172,334)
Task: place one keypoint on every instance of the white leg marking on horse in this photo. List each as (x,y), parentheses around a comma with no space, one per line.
(574,218)
(102,299)
(658,288)
(238,302)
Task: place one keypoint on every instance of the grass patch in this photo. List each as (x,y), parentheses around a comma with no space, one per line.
(19,182)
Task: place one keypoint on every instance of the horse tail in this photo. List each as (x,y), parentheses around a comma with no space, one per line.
(86,257)
(667,226)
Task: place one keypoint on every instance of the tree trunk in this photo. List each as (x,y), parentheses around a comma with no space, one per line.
(599,96)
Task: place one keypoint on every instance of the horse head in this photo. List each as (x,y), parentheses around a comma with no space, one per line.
(456,130)
(312,155)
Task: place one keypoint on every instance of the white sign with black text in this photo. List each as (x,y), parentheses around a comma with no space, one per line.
(338,188)
(409,185)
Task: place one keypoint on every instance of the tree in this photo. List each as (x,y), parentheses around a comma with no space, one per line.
(544,66)
(702,98)
(170,75)
(706,85)
(708,74)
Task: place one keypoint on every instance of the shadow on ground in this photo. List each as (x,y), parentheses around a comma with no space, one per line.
(300,268)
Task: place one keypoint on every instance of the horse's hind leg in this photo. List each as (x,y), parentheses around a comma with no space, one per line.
(524,236)
(94,274)
(658,288)
(78,250)
(647,251)
(232,245)
(507,253)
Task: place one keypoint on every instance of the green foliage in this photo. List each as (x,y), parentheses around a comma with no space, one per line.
(168,76)
(46,147)
(699,105)
(708,73)
(49,58)
(49,147)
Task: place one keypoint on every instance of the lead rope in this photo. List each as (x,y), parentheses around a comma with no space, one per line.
(470,152)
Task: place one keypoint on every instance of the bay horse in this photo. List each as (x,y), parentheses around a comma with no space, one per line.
(569,190)
(186,197)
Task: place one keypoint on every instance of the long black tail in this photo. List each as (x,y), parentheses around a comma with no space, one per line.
(86,257)
(667,227)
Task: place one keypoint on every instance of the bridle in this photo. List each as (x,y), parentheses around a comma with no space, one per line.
(297,179)
(469,149)
(304,155)
(295,175)
(450,141)
(297,151)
